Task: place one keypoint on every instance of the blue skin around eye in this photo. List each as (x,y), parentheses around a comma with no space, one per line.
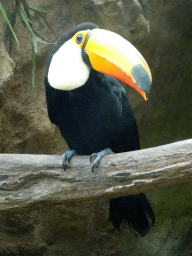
(79,39)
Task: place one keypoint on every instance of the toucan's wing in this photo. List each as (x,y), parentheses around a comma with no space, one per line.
(127,139)
(51,106)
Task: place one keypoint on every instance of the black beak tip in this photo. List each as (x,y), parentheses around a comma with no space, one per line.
(147,94)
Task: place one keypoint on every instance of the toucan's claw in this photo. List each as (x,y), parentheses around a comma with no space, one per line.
(66,158)
(96,157)
(93,157)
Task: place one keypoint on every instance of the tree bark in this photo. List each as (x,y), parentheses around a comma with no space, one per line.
(26,178)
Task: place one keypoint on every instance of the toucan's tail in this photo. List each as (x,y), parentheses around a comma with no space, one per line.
(132,209)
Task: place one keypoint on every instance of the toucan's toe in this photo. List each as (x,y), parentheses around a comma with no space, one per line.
(66,158)
(96,157)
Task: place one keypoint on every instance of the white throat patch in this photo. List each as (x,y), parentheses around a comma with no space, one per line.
(67,69)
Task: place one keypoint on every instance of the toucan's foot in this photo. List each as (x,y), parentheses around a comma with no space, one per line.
(96,157)
(66,158)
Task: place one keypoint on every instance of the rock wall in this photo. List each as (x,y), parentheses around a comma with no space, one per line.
(81,227)
(161,30)
(166,116)
(25,125)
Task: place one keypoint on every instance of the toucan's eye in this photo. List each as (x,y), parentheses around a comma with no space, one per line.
(79,39)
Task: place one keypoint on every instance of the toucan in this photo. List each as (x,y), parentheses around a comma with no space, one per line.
(91,108)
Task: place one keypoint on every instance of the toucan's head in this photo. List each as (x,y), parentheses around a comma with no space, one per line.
(86,47)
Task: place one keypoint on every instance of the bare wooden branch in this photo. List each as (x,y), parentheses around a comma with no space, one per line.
(26,178)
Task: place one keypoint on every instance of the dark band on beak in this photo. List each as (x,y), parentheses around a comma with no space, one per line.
(142,78)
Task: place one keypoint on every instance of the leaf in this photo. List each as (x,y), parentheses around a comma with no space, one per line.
(33,69)
(43,38)
(9,24)
(26,21)
(23,10)
(26,7)
(47,23)
(37,10)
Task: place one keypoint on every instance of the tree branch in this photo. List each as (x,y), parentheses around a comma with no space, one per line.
(26,178)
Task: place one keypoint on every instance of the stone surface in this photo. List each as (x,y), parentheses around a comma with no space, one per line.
(25,125)
(165,43)
(81,227)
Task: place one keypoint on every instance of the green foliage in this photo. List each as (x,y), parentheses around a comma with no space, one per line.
(23,10)
(9,24)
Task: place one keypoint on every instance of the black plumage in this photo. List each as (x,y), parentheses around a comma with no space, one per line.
(94,117)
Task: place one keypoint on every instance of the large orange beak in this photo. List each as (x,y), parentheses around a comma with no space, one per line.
(111,54)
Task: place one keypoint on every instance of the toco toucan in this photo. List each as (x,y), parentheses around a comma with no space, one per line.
(91,108)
